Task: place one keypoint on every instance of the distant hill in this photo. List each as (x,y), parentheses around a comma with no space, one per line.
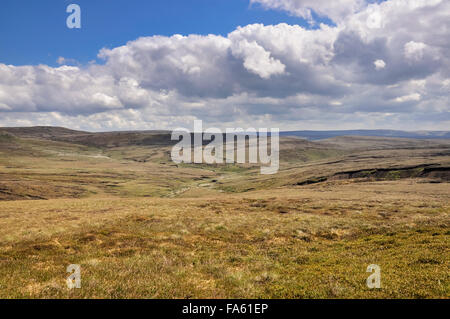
(163,138)
(320,135)
(46,132)
(99,139)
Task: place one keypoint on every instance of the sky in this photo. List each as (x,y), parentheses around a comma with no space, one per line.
(289,64)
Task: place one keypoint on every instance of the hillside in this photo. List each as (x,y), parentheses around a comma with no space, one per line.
(319,135)
(83,164)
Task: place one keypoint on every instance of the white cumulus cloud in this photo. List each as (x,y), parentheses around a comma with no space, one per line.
(283,75)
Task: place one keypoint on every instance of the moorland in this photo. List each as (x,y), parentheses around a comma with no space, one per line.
(142,226)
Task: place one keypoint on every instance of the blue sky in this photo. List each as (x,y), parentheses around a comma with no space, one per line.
(35,32)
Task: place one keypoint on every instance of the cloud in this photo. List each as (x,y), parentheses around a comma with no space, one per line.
(4,107)
(337,10)
(256,59)
(67,61)
(379,64)
(414,50)
(410,97)
(384,64)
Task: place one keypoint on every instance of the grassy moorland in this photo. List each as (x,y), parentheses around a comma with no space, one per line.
(142,227)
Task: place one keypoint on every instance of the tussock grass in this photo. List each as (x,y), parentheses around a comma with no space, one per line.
(294,243)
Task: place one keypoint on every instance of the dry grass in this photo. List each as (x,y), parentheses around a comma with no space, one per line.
(295,243)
